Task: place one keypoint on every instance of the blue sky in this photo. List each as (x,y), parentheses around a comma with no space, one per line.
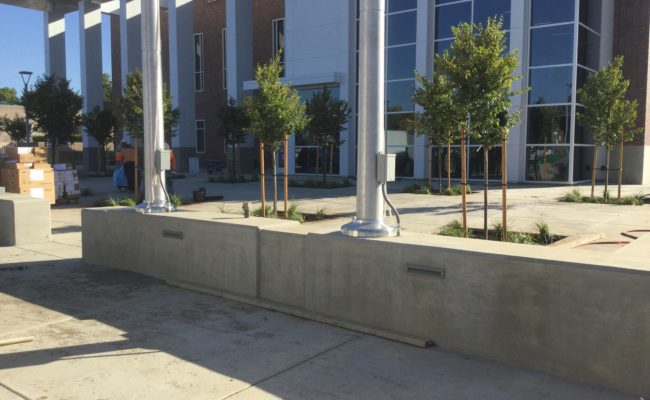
(22,46)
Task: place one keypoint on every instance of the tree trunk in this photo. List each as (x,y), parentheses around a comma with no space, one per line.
(463,181)
(439,169)
(620,169)
(430,165)
(135,163)
(606,192)
(594,169)
(448,165)
(99,159)
(275,181)
(234,161)
(485,191)
(545,171)
(504,189)
(262,188)
(286,176)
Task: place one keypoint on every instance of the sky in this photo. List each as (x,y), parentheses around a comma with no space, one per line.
(22,46)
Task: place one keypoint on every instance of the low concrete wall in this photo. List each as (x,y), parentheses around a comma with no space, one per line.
(572,313)
(24,220)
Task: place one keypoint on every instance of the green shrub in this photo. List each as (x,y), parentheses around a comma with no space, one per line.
(521,238)
(574,196)
(544,232)
(631,200)
(269,212)
(320,213)
(127,202)
(454,229)
(295,215)
(456,190)
(417,189)
(176,200)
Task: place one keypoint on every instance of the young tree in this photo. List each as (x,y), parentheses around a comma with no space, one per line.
(235,125)
(15,128)
(481,78)
(132,112)
(438,119)
(600,95)
(327,118)
(8,95)
(100,124)
(275,112)
(55,108)
(622,129)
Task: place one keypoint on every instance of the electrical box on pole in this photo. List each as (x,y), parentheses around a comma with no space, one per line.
(385,168)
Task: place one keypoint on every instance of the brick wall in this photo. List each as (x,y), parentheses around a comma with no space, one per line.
(264,12)
(632,40)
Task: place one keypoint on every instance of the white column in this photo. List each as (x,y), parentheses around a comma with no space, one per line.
(422,57)
(181,74)
(90,49)
(155,199)
(54,29)
(130,36)
(239,45)
(517,139)
(369,221)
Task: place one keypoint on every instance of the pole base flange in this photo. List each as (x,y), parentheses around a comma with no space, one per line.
(155,207)
(368,229)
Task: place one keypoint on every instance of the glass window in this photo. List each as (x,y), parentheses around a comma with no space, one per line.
(445,1)
(397,132)
(224,63)
(399,96)
(551,46)
(547,163)
(475,155)
(588,48)
(200,136)
(484,9)
(583,76)
(583,134)
(552,11)
(400,62)
(441,46)
(549,125)
(550,85)
(198,62)
(590,13)
(401,5)
(401,28)
(583,158)
(403,160)
(454,163)
(452,15)
(278,40)
(315,160)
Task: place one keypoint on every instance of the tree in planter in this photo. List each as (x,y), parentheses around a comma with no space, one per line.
(600,95)
(55,108)
(438,119)
(15,128)
(481,79)
(235,124)
(100,124)
(131,107)
(275,111)
(327,118)
(622,129)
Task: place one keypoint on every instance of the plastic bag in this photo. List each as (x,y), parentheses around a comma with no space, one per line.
(119,178)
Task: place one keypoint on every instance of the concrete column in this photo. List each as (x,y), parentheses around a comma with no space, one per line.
(54,24)
(130,36)
(90,49)
(517,139)
(423,54)
(181,77)
(239,45)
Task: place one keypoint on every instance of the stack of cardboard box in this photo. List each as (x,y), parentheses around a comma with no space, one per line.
(66,182)
(26,171)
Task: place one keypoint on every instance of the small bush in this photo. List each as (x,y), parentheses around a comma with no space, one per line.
(454,229)
(631,200)
(127,202)
(295,215)
(521,238)
(574,196)
(544,232)
(269,212)
(320,213)
(417,189)
(111,202)
(176,200)
(456,190)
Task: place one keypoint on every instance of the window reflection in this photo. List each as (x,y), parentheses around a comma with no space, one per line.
(547,163)
(484,9)
(401,28)
(590,13)
(451,15)
(400,62)
(552,11)
(549,125)
(551,46)
(401,5)
(550,85)
(399,96)
(588,48)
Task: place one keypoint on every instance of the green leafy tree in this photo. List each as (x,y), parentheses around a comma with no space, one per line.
(8,95)
(15,128)
(622,129)
(438,120)
(235,124)
(481,77)
(601,96)
(275,112)
(327,118)
(132,112)
(55,108)
(100,124)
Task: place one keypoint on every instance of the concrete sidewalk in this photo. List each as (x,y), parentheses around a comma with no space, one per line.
(108,334)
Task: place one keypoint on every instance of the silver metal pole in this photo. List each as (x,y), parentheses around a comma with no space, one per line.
(155,199)
(369,220)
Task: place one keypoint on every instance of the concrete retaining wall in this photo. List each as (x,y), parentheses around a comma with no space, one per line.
(24,220)
(572,313)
